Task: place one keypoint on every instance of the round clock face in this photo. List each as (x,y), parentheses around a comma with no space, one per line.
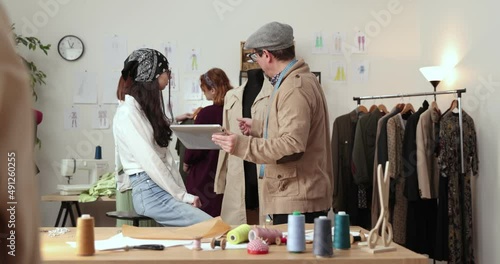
(70,48)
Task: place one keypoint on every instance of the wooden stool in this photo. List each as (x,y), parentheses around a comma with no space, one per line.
(128,215)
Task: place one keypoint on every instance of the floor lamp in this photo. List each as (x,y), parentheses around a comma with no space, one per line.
(433,74)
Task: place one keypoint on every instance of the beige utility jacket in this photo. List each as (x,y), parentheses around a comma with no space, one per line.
(297,154)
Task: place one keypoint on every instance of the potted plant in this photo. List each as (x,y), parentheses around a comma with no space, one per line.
(37,76)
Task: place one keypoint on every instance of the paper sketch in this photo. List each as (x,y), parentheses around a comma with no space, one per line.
(191,89)
(85,88)
(72,118)
(174,80)
(169,49)
(360,42)
(318,45)
(100,119)
(337,46)
(193,60)
(339,71)
(115,52)
(190,107)
(109,86)
(360,71)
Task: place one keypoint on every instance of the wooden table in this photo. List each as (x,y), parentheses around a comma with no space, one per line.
(67,203)
(56,251)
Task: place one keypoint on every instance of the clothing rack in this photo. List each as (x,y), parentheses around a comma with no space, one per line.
(459,100)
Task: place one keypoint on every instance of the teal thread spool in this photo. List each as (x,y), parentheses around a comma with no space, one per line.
(341,238)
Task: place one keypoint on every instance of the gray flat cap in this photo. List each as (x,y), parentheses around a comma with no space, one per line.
(271,36)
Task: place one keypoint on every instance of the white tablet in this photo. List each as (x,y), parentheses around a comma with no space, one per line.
(197,136)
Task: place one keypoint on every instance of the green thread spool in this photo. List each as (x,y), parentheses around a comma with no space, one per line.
(341,239)
(239,234)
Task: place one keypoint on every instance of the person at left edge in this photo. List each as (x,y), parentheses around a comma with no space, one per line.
(142,134)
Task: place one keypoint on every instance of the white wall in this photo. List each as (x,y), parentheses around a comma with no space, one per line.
(404,35)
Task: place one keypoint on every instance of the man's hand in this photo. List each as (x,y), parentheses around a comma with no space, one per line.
(245,125)
(226,141)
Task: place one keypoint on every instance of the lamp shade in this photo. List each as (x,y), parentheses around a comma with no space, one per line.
(433,73)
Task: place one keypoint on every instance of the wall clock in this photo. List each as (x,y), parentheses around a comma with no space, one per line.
(70,47)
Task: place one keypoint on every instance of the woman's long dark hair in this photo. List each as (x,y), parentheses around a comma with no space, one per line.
(149,97)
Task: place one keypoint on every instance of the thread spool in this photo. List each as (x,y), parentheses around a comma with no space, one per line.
(322,241)
(218,243)
(341,235)
(280,240)
(85,236)
(239,234)
(296,240)
(268,235)
(98,152)
(197,243)
(360,238)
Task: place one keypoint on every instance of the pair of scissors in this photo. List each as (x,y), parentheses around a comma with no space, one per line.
(383,220)
(148,247)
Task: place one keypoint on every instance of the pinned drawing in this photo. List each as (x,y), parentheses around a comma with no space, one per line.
(72,118)
(360,71)
(115,49)
(193,60)
(100,118)
(360,42)
(85,88)
(174,82)
(339,71)
(109,84)
(169,49)
(192,89)
(318,45)
(337,46)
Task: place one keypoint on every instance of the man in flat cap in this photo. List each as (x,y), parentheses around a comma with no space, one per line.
(293,139)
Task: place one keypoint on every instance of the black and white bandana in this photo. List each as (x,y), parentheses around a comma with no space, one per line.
(144,65)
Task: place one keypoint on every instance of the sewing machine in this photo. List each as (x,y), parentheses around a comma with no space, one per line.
(72,167)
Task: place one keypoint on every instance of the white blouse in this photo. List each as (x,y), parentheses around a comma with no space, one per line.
(136,151)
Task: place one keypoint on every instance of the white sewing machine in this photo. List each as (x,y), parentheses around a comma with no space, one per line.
(71,167)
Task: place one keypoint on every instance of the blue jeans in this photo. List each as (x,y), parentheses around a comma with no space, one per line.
(151,200)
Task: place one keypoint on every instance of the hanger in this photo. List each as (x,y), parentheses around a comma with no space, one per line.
(407,108)
(362,109)
(453,106)
(372,108)
(383,108)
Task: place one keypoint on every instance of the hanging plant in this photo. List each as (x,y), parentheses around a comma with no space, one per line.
(37,77)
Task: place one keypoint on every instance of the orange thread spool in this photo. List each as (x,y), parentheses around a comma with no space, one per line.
(85,236)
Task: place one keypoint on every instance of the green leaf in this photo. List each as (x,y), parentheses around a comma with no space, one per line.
(37,77)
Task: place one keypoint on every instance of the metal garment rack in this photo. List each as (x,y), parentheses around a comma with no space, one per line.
(459,100)
(458,92)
